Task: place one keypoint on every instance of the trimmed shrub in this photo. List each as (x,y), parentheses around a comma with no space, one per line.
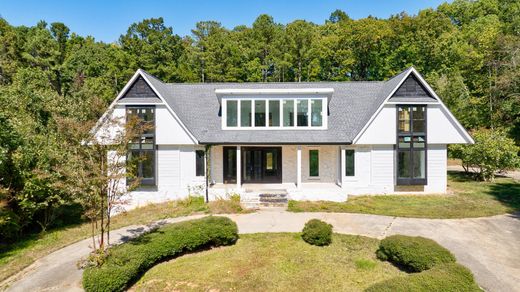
(442,278)
(128,261)
(317,232)
(413,254)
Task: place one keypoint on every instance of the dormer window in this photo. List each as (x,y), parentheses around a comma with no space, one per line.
(274,112)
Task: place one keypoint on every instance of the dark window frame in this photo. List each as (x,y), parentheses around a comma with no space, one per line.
(311,173)
(353,163)
(150,134)
(200,169)
(411,134)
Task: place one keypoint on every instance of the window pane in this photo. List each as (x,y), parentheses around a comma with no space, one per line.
(314,163)
(245,113)
(418,142)
(404,119)
(199,163)
(288,113)
(274,113)
(403,164)
(349,163)
(404,142)
(147,114)
(316,110)
(302,108)
(419,164)
(269,160)
(147,162)
(260,113)
(232,113)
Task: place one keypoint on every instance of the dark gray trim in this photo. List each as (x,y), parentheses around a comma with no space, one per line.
(411,181)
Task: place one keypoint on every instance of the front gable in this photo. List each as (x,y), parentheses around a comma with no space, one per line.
(140,89)
(442,126)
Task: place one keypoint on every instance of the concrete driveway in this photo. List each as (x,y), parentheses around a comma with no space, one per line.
(489,246)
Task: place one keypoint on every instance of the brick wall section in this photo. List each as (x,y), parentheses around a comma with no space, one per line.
(328,156)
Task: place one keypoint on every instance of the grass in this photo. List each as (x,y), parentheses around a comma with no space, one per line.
(274,262)
(469,199)
(17,256)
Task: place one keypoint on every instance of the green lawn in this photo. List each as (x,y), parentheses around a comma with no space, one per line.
(467,198)
(21,254)
(274,262)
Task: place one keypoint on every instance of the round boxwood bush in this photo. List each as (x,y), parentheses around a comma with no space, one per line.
(317,232)
(413,254)
(128,261)
(441,278)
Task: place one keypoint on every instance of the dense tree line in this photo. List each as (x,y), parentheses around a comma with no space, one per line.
(469,51)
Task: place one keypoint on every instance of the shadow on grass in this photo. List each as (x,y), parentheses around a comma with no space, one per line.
(507,193)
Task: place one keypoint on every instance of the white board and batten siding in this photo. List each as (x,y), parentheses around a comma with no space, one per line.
(175,161)
(376,157)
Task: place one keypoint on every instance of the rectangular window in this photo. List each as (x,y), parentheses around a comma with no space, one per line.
(411,145)
(141,155)
(303,112)
(232,113)
(350,162)
(200,163)
(316,113)
(259,113)
(314,163)
(274,113)
(288,113)
(245,113)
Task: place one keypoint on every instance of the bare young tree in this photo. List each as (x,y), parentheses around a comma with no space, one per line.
(96,168)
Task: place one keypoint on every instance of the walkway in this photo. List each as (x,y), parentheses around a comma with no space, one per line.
(490,246)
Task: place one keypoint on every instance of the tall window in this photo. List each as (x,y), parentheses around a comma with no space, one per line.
(232,113)
(245,113)
(259,113)
(200,165)
(303,112)
(288,113)
(274,113)
(411,145)
(350,162)
(142,148)
(316,112)
(314,163)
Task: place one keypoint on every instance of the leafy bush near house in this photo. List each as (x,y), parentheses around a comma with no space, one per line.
(441,278)
(493,151)
(317,232)
(126,262)
(413,254)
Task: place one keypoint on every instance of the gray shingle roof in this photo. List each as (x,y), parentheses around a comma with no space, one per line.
(351,106)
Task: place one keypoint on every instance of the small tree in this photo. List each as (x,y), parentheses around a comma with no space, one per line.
(493,151)
(97,171)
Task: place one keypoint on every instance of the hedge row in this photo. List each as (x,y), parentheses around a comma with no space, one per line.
(413,254)
(441,278)
(317,232)
(128,261)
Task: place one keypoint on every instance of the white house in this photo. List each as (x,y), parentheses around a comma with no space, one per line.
(313,141)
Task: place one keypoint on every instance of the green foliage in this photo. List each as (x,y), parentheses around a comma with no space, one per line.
(317,232)
(414,254)
(445,277)
(493,151)
(125,263)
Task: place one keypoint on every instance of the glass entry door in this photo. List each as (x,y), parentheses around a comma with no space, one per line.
(262,165)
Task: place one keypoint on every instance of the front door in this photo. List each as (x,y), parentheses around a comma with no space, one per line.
(262,165)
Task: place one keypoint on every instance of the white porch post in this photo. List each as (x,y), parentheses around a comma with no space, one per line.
(299,166)
(341,166)
(239,168)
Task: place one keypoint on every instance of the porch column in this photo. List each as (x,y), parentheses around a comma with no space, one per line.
(239,167)
(341,165)
(299,166)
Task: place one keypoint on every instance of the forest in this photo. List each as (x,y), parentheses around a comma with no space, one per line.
(52,78)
